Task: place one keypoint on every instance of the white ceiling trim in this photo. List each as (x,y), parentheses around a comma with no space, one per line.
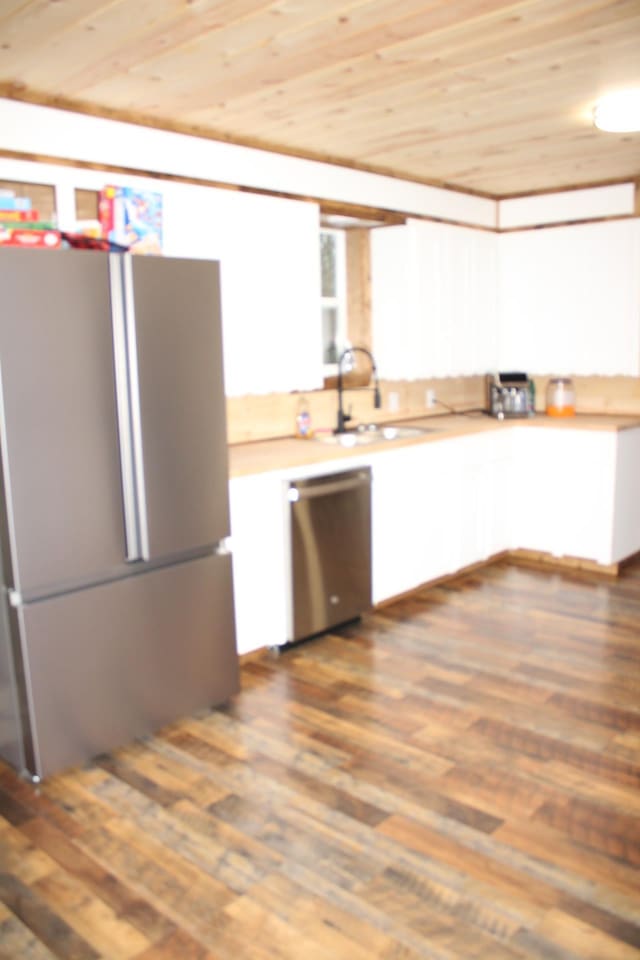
(33,129)
(615,200)
(45,131)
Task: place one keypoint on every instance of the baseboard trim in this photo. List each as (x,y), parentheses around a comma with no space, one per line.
(463,571)
(520,557)
(542,559)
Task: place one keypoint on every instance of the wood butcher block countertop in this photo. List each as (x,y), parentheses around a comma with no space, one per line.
(290,453)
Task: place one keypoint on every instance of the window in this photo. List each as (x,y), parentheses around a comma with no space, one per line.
(334,294)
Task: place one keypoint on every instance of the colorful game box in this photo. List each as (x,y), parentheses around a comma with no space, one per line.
(132,218)
(12,237)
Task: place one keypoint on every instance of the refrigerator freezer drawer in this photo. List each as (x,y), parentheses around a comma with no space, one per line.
(118,661)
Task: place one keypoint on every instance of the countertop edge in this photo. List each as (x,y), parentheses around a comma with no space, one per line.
(290,453)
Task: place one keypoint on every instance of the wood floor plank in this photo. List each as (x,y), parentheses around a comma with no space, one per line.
(315,789)
(583,939)
(595,825)
(12,810)
(454,777)
(102,882)
(37,802)
(89,916)
(177,946)
(48,925)
(20,858)
(317,919)
(190,900)
(547,845)
(543,747)
(17,940)
(534,896)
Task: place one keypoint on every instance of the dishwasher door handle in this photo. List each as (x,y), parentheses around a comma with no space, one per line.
(296,493)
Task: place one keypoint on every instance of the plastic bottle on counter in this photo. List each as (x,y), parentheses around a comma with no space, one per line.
(303,420)
(532,398)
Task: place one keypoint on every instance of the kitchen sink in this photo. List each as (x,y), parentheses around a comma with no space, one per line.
(372,433)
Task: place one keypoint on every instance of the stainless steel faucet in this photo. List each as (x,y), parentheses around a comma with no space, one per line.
(377,402)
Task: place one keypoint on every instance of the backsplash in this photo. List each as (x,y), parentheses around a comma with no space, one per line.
(265,417)
(598,394)
(252,418)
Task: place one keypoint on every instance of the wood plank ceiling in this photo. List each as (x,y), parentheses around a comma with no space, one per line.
(482,95)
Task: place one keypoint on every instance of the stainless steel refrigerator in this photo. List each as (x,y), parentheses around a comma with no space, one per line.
(117,600)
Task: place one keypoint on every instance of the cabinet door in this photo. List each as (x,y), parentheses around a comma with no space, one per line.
(472,497)
(626,520)
(415,518)
(569,299)
(395,537)
(473,484)
(270,280)
(434,289)
(562,492)
(258,549)
(497,476)
(458,285)
(397,336)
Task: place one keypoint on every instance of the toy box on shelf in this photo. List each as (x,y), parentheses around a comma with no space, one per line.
(22,226)
(132,218)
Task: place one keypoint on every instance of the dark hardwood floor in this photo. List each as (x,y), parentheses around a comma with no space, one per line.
(457,776)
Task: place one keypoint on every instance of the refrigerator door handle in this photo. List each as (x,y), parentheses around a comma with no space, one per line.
(128,408)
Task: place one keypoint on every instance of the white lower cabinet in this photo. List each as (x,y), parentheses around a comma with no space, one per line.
(440,506)
(482,464)
(258,548)
(562,496)
(625,539)
(496,476)
(396,540)
(421,509)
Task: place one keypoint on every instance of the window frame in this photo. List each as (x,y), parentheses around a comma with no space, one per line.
(339,300)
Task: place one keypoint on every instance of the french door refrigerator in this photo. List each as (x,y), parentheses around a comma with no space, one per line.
(117,600)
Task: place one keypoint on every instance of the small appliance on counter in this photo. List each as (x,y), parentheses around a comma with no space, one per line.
(561,397)
(510,395)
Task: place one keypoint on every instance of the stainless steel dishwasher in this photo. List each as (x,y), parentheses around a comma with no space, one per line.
(329,551)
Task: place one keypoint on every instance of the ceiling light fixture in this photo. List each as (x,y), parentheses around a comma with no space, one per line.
(618,112)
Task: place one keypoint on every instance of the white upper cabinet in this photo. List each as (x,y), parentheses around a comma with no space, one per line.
(434,309)
(270,277)
(454,301)
(569,299)
(397,336)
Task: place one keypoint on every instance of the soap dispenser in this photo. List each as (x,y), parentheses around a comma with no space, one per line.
(303,420)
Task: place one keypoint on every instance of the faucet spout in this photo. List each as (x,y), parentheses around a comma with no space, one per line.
(377,401)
